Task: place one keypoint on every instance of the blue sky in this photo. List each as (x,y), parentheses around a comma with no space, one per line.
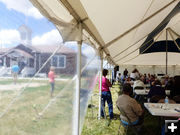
(11,19)
(14,13)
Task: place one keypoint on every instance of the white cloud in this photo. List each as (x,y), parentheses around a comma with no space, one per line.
(49,38)
(88,51)
(23,6)
(9,37)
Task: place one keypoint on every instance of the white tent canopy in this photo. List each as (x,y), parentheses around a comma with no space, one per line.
(118,27)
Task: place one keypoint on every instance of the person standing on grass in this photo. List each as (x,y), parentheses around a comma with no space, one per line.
(106,95)
(15,71)
(51,76)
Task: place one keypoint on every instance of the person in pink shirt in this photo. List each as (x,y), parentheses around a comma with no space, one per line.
(106,95)
(51,76)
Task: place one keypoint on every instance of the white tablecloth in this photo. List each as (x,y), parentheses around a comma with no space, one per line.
(161,109)
(146,91)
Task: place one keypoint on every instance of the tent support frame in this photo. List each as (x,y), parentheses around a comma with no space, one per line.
(76,115)
(79,20)
(139,48)
(166,51)
(173,39)
(100,83)
(174,32)
(137,25)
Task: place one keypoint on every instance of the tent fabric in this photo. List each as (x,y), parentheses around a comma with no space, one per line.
(114,26)
(160,46)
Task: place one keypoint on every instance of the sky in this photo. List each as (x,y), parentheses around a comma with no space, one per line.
(14,13)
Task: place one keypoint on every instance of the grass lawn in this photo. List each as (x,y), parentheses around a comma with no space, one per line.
(92,126)
(22,118)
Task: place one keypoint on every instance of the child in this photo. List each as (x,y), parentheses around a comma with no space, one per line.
(15,70)
(51,76)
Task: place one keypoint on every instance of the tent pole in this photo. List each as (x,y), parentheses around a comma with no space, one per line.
(109,67)
(173,39)
(137,25)
(111,74)
(140,47)
(100,85)
(76,118)
(174,32)
(166,50)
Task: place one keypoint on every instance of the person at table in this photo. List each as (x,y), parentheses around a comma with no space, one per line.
(151,80)
(170,85)
(134,74)
(132,109)
(156,89)
(176,86)
(106,95)
(139,83)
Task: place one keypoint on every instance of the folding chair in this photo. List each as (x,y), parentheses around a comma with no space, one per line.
(177,98)
(156,98)
(126,126)
(138,87)
(138,97)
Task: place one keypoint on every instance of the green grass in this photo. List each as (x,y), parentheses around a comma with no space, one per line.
(22,118)
(93,126)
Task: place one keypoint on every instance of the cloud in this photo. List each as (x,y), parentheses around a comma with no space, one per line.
(49,38)
(9,37)
(23,6)
(88,51)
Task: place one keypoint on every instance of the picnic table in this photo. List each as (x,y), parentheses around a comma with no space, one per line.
(163,110)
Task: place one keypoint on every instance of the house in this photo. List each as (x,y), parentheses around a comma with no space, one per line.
(31,58)
(34,57)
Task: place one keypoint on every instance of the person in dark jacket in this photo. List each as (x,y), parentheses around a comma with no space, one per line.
(156,89)
(125,73)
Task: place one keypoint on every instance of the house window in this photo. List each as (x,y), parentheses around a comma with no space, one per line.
(58,61)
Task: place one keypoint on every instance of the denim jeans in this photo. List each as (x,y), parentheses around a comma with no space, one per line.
(106,96)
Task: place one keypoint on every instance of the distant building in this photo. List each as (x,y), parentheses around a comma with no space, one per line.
(25,35)
(33,57)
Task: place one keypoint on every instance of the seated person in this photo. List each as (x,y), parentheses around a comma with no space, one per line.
(156,89)
(176,86)
(130,106)
(139,83)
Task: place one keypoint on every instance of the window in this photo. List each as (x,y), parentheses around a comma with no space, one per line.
(58,61)
(54,61)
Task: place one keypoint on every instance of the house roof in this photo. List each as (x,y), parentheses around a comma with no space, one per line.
(3,50)
(52,48)
(40,49)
